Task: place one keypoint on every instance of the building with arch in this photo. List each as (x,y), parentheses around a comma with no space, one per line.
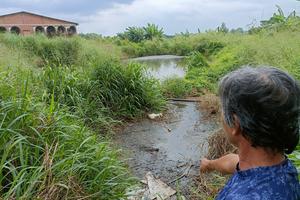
(26,23)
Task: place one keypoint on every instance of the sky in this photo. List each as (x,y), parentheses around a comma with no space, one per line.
(174,16)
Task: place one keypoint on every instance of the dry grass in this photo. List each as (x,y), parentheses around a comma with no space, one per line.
(210,103)
(208,185)
(218,145)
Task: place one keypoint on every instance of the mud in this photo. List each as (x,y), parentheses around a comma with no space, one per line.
(170,147)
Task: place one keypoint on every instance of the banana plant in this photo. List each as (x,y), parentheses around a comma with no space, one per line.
(152,31)
(278,18)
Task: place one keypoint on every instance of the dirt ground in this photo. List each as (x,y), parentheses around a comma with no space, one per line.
(170,147)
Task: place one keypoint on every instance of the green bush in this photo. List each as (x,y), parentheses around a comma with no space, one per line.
(176,88)
(206,78)
(208,48)
(196,59)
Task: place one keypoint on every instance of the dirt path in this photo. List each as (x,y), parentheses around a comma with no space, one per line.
(169,148)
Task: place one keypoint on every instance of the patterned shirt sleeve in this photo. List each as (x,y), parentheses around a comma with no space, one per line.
(278,182)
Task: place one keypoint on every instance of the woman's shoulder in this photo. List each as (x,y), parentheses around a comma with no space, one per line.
(280,181)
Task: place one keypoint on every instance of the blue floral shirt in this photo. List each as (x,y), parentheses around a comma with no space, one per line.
(278,182)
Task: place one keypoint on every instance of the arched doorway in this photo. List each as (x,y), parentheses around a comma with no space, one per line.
(51,31)
(2,29)
(39,29)
(61,30)
(72,30)
(15,30)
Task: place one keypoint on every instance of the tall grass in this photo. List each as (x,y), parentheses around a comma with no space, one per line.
(176,87)
(126,90)
(45,155)
(55,113)
(239,50)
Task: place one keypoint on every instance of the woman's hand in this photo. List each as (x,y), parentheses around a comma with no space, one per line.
(205,165)
(225,165)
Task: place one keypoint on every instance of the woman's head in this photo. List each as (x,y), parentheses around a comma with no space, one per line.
(266,103)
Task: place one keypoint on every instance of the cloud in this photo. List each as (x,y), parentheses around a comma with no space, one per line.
(111,17)
(181,15)
(67,7)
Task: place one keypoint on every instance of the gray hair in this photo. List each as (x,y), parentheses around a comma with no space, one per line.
(266,102)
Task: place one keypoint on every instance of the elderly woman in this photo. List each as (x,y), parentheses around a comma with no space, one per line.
(260,114)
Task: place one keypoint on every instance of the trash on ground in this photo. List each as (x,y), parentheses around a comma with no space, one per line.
(154,115)
(158,189)
(155,190)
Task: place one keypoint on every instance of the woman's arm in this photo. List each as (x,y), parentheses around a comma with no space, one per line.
(225,165)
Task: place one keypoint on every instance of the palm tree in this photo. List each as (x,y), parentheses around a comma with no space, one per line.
(152,31)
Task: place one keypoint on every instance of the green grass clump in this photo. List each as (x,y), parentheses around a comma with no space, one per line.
(196,59)
(176,88)
(126,90)
(206,78)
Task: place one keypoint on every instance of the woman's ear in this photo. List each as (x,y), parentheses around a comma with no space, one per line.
(237,128)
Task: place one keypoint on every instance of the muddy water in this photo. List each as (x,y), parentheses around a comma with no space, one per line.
(168,147)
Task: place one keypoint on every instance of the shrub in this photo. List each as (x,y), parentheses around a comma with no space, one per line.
(208,48)
(196,59)
(176,88)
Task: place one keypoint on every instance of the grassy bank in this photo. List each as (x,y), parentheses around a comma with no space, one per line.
(60,97)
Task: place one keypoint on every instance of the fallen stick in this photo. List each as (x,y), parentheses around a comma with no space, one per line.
(185,100)
(185,173)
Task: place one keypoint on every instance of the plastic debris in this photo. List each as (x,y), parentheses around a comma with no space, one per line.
(158,189)
(154,115)
(155,190)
